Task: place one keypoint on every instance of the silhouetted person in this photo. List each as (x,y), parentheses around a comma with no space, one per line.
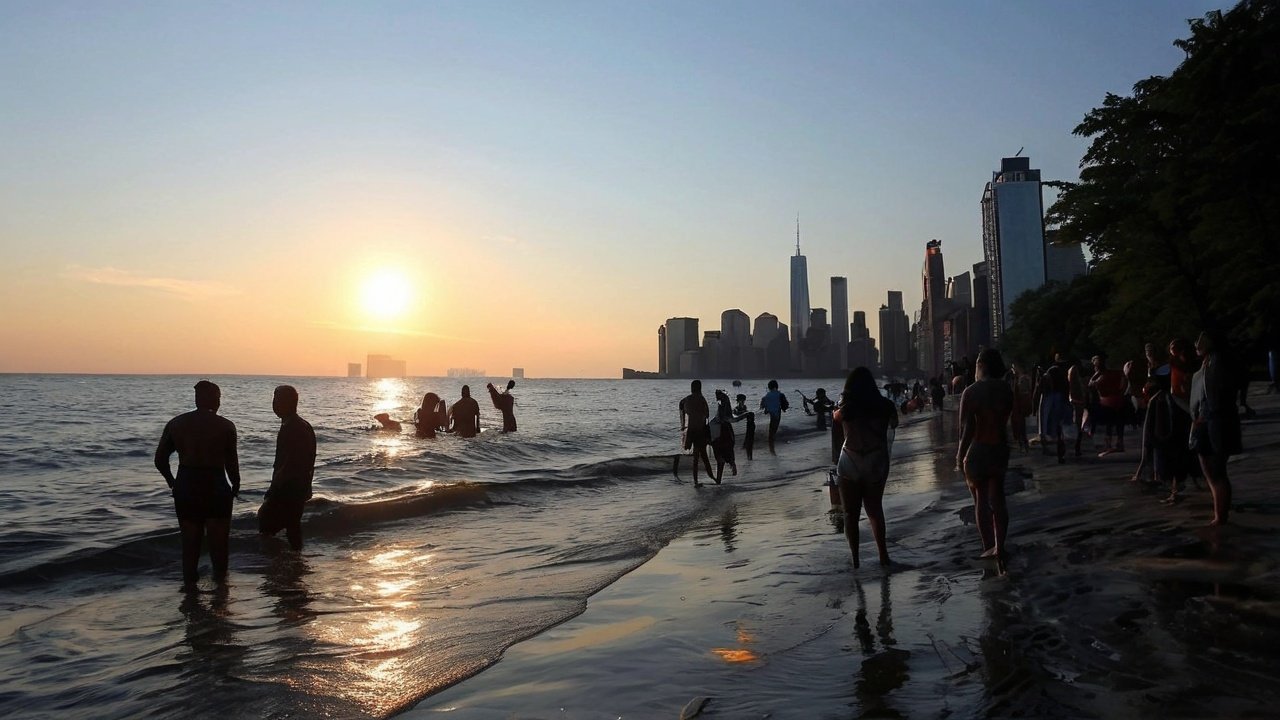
(866,417)
(749,435)
(822,406)
(464,416)
(430,417)
(207,482)
(292,472)
(722,439)
(386,423)
(774,404)
(1109,386)
(985,407)
(505,404)
(694,414)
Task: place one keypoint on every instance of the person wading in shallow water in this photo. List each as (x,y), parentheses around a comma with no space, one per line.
(505,404)
(430,417)
(292,472)
(693,422)
(983,454)
(866,417)
(464,416)
(774,404)
(202,497)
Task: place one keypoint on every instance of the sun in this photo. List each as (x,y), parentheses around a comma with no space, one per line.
(386,294)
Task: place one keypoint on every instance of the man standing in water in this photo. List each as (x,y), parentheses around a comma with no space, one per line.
(464,416)
(985,407)
(293,470)
(202,497)
(505,404)
(773,403)
(693,421)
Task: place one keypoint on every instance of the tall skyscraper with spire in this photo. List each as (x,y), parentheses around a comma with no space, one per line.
(799,299)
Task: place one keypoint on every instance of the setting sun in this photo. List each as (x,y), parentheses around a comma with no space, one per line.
(386,294)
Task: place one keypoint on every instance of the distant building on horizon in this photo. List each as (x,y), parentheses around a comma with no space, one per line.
(384,366)
(353,369)
(517,373)
(735,343)
(1013,242)
(799,300)
(465,372)
(662,349)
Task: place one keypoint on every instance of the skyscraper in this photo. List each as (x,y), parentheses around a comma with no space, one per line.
(980,328)
(840,323)
(799,299)
(682,337)
(1012,237)
(933,309)
(894,329)
(1063,263)
(735,343)
(662,349)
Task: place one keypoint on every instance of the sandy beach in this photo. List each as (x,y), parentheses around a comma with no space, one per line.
(1114,605)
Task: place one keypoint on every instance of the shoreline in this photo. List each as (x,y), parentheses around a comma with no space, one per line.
(1114,605)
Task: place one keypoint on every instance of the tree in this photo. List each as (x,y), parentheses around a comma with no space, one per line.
(1178,197)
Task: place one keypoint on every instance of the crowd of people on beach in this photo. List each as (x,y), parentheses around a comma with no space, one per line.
(1189,420)
(1188,417)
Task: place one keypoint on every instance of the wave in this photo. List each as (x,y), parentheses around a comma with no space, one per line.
(338,516)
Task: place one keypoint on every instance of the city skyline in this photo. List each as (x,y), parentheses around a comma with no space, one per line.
(237,189)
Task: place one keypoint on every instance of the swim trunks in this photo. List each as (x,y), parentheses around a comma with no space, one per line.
(201,494)
(867,472)
(695,436)
(278,514)
(985,461)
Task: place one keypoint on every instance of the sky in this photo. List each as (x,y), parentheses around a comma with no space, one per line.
(213,188)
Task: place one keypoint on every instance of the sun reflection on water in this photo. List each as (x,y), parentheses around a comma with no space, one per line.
(383,628)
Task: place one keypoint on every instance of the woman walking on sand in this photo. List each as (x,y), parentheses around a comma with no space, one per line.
(1215,429)
(985,408)
(866,417)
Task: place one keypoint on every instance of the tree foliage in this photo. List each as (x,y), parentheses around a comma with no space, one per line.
(1179,196)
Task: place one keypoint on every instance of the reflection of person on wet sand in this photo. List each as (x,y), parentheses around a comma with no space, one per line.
(292,472)
(505,404)
(464,416)
(202,497)
(883,670)
(385,423)
(693,421)
(866,418)
(430,417)
(983,454)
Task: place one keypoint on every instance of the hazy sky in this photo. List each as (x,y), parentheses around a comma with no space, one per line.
(205,188)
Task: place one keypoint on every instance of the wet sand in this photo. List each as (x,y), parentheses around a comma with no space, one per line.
(1114,605)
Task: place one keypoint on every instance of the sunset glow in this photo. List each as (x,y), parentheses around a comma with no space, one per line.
(386,294)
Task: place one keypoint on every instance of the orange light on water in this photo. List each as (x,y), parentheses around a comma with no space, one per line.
(736,655)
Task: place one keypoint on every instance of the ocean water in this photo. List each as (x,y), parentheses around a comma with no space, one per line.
(424,559)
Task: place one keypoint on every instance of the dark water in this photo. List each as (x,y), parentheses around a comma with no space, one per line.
(424,559)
